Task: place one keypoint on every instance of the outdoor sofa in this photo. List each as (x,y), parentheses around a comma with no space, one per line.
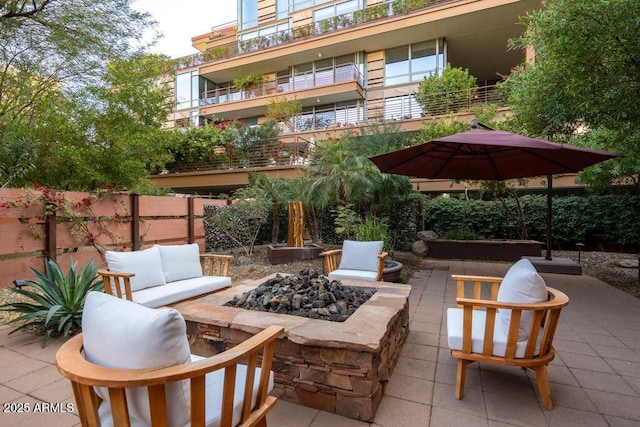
(164,274)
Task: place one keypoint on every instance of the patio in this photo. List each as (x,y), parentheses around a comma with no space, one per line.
(595,378)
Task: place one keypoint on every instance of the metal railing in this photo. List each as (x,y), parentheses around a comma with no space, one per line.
(395,104)
(282,151)
(336,23)
(285,84)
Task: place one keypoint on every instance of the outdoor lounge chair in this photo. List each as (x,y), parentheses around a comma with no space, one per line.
(510,321)
(356,260)
(132,365)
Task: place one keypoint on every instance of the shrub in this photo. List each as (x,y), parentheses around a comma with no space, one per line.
(58,300)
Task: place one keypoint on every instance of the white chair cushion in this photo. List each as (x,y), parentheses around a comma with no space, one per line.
(122,334)
(177,291)
(145,264)
(180,261)
(454,334)
(353,274)
(360,255)
(521,284)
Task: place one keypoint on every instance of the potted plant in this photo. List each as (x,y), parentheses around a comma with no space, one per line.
(56,300)
(248,82)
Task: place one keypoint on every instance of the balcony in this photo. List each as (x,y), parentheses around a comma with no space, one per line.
(341,22)
(292,150)
(334,84)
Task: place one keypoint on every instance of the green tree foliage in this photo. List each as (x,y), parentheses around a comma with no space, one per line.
(46,45)
(113,140)
(77,98)
(338,175)
(446,93)
(585,81)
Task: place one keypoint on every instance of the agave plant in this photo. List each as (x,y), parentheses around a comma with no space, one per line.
(57,299)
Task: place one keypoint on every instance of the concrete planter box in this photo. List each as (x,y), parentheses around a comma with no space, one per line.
(492,250)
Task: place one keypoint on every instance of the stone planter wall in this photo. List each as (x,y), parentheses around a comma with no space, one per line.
(492,250)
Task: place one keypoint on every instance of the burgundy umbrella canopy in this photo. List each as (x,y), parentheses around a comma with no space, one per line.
(490,155)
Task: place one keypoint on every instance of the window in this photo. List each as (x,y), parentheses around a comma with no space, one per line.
(248,13)
(413,63)
(282,9)
(183,91)
(336,10)
(301,4)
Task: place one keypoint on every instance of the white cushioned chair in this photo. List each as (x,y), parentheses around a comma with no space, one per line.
(508,321)
(356,260)
(132,366)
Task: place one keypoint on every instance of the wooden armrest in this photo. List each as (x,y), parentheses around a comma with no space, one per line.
(84,375)
(331,260)
(479,282)
(215,264)
(381,258)
(117,284)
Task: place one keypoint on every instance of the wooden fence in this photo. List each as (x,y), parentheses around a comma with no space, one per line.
(39,224)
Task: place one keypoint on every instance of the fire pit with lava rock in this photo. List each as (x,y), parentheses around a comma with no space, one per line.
(306,294)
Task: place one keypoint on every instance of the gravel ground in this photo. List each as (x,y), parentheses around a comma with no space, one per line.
(617,269)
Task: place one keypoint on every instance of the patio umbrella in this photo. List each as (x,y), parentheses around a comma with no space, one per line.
(490,155)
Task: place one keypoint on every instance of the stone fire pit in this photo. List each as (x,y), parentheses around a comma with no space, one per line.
(339,367)
(306,294)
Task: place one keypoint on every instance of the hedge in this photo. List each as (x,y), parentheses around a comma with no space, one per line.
(610,220)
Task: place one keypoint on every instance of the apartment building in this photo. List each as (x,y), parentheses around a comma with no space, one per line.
(348,62)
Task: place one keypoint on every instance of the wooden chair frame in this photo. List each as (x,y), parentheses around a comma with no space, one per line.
(545,315)
(212,265)
(84,376)
(333,257)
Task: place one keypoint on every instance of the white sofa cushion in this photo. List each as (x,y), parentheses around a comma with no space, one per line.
(145,264)
(177,291)
(360,255)
(121,334)
(521,284)
(340,273)
(454,334)
(180,261)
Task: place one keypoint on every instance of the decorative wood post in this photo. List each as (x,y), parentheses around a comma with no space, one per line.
(295,233)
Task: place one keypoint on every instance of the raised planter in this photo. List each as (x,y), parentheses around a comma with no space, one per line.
(392,271)
(491,250)
(284,254)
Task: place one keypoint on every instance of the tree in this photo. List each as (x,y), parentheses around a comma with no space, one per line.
(47,45)
(584,86)
(113,136)
(446,93)
(279,191)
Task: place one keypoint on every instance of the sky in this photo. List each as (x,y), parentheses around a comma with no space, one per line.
(182,19)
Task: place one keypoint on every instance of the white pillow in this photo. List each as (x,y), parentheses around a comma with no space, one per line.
(180,261)
(122,334)
(521,284)
(145,264)
(360,255)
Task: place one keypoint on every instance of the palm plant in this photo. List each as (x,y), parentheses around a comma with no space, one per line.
(57,300)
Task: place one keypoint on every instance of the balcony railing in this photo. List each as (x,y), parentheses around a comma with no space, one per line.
(284,84)
(288,149)
(336,23)
(395,104)
(283,151)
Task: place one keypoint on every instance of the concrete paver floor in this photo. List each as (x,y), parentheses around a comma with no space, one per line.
(595,377)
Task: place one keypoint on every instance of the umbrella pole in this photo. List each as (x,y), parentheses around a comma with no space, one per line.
(549,211)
